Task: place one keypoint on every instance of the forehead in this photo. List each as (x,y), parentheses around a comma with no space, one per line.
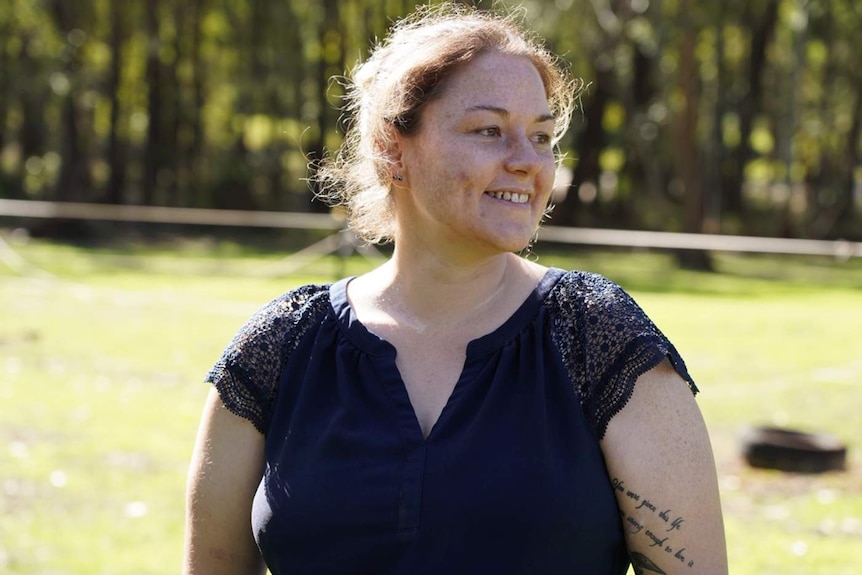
(497,80)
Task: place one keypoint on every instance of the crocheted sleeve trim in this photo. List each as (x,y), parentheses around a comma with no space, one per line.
(247,374)
(606,342)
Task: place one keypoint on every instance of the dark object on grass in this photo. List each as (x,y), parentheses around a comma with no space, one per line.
(789,450)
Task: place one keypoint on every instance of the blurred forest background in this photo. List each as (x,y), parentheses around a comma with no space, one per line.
(738,116)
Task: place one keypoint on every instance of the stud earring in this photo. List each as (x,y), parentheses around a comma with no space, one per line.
(398,177)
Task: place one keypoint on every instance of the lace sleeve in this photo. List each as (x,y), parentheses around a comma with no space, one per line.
(246,376)
(607,342)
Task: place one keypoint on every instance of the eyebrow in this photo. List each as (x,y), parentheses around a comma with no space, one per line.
(504,112)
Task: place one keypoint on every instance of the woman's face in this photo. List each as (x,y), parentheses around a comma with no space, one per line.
(479,170)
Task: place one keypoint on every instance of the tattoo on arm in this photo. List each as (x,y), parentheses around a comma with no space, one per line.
(643,564)
(656,534)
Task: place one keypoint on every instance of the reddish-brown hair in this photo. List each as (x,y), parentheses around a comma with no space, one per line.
(388,92)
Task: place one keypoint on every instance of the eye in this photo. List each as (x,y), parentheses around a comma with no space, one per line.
(490,131)
(542,139)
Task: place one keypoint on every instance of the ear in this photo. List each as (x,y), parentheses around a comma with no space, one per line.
(391,152)
(393,149)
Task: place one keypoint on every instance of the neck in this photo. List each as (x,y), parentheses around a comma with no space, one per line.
(434,290)
(425,292)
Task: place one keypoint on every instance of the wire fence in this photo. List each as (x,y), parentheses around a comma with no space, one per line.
(839,249)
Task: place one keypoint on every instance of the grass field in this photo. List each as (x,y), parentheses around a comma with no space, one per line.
(102,352)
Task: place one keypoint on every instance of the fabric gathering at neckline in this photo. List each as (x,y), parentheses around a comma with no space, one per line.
(373,344)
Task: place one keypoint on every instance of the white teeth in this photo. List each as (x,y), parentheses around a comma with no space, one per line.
(513,197)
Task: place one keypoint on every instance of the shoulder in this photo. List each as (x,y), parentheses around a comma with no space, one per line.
(606,342)
(284,316)
(280,323)
(246,375)
(592,296)
(603,305)
(594,313)
(298,301)
(587,286)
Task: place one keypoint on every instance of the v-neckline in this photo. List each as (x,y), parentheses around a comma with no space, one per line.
(374,345)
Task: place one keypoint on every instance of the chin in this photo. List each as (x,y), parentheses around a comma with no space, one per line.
(504,237)
(519,241)
(513,245)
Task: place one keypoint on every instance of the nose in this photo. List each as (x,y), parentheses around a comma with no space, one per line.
(523,157)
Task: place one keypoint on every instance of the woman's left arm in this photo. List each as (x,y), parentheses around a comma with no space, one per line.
(661,466)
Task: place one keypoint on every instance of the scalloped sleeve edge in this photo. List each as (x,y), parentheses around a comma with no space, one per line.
(236,397)
(641,355)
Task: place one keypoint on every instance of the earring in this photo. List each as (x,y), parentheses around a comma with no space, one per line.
(398,177)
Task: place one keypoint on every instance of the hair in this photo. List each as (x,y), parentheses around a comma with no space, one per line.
(386,94)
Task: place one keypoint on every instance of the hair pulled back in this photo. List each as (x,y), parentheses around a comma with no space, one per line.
(386,94)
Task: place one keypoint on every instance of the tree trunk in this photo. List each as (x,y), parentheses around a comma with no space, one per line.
(714,149)
(847,214)
(152,152)
(116,144)
(196,176)
(31,135)
(173,153)
(589,146)
(689,160)
(751,102)
(645,165)
(823,182)
(73,183)
(5,81)
(327,116)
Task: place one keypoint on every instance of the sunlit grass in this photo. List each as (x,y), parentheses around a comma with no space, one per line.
(102,353)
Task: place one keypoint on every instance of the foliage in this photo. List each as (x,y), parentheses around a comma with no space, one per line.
(721,117)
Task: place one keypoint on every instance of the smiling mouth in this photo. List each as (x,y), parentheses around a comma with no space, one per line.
(513,197)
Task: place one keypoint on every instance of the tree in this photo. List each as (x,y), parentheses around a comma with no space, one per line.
(117,144)
(763,21)
(75,180)
(690,163)
(698,116)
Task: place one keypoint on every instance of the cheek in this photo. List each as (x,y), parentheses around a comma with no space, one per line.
(547,176)
(452,172)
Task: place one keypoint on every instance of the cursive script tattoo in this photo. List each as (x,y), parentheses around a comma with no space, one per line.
(657,534)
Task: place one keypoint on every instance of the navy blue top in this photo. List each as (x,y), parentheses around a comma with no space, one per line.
(511,478)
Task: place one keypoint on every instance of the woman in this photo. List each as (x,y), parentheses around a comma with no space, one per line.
(459,409)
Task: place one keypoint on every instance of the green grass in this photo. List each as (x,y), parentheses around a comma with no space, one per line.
(102,352)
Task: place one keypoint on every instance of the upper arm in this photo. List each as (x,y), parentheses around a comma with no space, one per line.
(660,461)
(226,468)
